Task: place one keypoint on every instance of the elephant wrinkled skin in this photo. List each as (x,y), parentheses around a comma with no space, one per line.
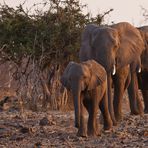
(88,83)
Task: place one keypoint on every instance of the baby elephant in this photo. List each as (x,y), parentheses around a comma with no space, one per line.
(88,83)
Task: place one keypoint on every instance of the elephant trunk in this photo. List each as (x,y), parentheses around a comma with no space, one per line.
(76,99)
(110,98)
(109,64)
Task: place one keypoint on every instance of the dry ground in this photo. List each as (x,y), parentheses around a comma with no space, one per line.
(28,130)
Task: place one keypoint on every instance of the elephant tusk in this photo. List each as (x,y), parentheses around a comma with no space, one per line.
(139,70)
(114,70)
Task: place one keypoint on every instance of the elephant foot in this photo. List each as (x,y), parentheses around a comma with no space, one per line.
(81,133)
(77,125)
(140,107)
(114,122)
(108,126)
(118,118)
(135,112)
(108,131)
(93,133)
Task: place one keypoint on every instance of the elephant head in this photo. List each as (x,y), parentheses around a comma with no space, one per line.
(80,77)
(104,43)
(100,44)
(65,76)
(87,74)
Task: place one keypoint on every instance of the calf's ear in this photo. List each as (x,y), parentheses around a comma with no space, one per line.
(97,74)
(64,77)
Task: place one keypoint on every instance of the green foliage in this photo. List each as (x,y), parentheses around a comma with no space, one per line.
(52,35)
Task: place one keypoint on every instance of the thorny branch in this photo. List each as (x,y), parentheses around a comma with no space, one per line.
(38,45)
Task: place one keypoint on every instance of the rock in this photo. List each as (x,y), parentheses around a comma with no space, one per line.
(44,121)
(9,103)
(37,145)
(24,130)
(17,137)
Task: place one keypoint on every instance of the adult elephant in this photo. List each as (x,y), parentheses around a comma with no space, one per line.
(143,76)
(88,83)
(119,46)
(131,41)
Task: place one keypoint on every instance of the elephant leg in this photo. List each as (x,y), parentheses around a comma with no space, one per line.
(135,102)
(145,97)
(120,80)
(110,99)
(128,80)
(105,112)
(143,84)
(92,120)
(118,96)
(82,129)
(92,108)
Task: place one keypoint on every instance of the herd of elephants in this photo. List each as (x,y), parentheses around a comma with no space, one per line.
(113,59)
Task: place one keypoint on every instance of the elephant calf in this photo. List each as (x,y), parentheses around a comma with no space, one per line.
(88,83)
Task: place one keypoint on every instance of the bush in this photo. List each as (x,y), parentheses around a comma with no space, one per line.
(48,39)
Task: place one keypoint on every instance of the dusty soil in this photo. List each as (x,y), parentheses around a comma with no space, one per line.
(56,129)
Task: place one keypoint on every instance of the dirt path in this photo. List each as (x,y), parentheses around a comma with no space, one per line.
(25,131)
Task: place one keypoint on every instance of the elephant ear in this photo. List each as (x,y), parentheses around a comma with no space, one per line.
(131,44)
(97,74)
(64,77)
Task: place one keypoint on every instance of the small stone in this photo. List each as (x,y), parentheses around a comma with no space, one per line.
(44,121)
(24,130)
(37,145)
